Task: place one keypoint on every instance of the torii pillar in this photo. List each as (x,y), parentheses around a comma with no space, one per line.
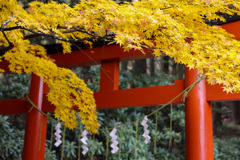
(198,118)
(36,126)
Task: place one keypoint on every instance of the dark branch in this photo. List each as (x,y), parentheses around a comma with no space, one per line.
(30,36)
(10,44)
(35,34)
(4,50)
(69,39)
(83,31)
(78,29)
(11,28)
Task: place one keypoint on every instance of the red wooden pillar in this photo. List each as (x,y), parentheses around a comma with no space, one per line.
(109,76)
(36,125)
(198,116)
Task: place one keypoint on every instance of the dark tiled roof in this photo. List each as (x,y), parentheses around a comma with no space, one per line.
(229,18)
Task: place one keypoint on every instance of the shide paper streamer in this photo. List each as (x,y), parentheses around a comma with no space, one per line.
(84,139)
(114,141)
(146,131)
(57,134)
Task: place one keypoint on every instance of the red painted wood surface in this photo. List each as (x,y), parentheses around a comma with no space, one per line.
(216,93)
(139,96)
(128,98)
(43,132)
(233,28)
(109,75)
(145,96)
(198,119)
(35,131)
(13,106)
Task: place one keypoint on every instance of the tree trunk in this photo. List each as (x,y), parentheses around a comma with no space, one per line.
(217,116)
(148,65)
(152,66)
(236,112)
(139,67)
(165,64)
(124,66)
(85,74)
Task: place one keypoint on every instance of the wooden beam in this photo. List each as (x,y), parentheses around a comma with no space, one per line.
(127,98)
(13,106)
(145,96)
(139,96)
(216,93)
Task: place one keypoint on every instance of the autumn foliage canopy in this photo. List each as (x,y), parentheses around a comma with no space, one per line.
(175,28)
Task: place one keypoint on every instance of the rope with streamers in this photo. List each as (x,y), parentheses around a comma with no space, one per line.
(84,142)
(40,137)
(170,137)
(93,147)
(79,145)
(51,138)
(114,141)
(120,145)
(58,135)
(184,93)
(107,144)
(135,146)
(155,138)
(63,142)
(146,131)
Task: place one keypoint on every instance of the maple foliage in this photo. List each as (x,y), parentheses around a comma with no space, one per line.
(162,26)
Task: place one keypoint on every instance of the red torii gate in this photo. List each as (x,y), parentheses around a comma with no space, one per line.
(199,135)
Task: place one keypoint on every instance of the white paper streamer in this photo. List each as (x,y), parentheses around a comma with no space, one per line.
(114,141)
(146,131)
(84,139)
(57,134)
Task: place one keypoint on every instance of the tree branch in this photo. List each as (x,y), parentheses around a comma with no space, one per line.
(67,39)
(10,28)
(36,34)
(2,51)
